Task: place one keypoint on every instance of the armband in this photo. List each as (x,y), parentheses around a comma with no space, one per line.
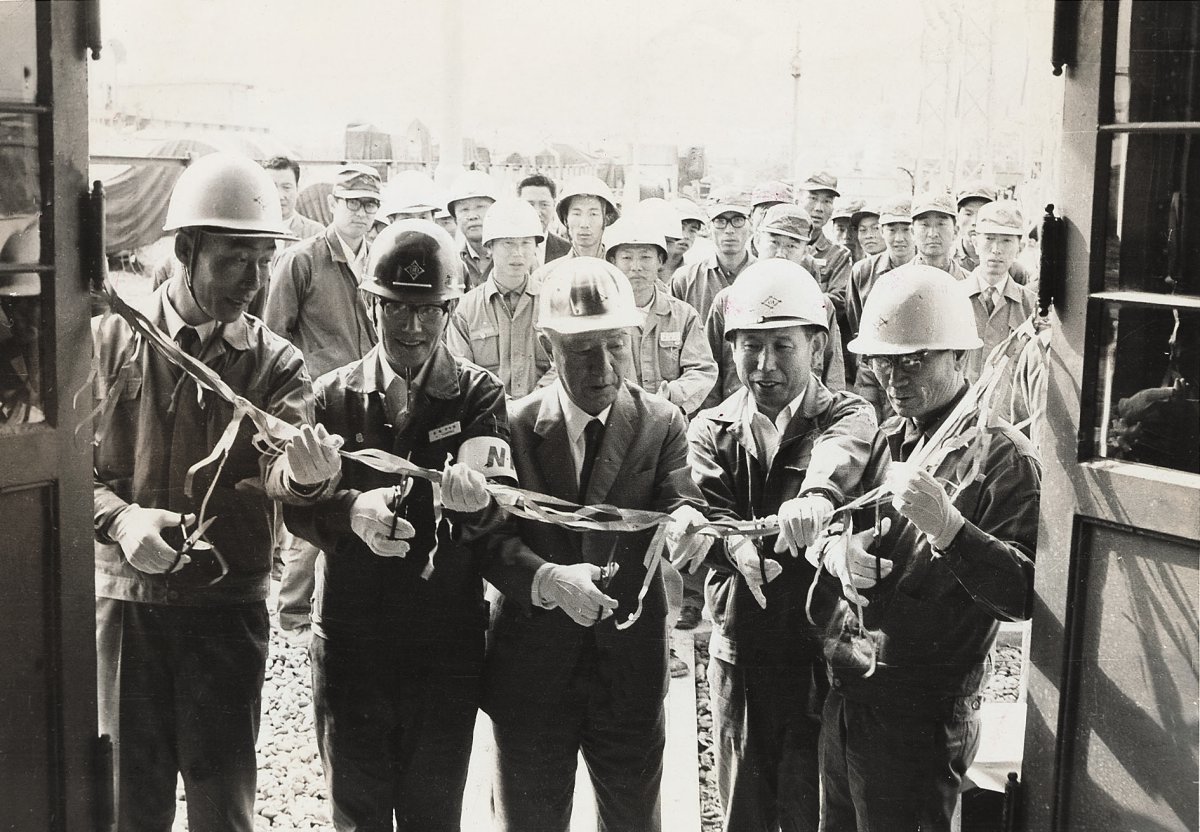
(488,455)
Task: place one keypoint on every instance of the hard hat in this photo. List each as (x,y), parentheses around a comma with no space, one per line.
(20,285)
(415,261)
(512,217)
(587,186)
(634,230)
(775,294)
(844,210)
(976,190)
(472,183)
(409,192)
(788,220)
(660,214)
(821,180)
(915,307)
(228,193)
(586,294)
(689,210)
(1002,217)
(770,192)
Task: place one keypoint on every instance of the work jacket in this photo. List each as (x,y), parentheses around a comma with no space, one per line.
(670,346)
(484,331)
(833,264)
(823,450)
(360,594)
(162,423)
(699,283)
(935,617)
(315,303)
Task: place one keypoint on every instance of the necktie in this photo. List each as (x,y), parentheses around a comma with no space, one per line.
(188,341)
(592,434)
(989,300)
(396,402)
(511,299)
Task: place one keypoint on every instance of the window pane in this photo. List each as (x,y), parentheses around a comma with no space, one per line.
(1149,377)
(20,351)
(20,189)
(1153,240)
(18,51)
(1158,61)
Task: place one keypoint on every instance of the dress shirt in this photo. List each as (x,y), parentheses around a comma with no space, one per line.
(576,421)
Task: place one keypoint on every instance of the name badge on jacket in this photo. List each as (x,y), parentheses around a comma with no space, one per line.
(445,431)
(670,339)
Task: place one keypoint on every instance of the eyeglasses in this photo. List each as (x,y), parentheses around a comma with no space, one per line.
(427,313)
(737,221)
(355,205)
(909,363)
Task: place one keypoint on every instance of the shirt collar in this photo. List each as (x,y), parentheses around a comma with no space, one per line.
(438,377)
(981,283)
(575,418)
(175,321)
(358,259)
(783,418)
(491,288)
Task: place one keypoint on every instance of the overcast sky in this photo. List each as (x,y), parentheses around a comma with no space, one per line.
(712,72)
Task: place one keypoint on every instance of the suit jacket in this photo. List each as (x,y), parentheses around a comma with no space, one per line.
(556,247)
(536,654)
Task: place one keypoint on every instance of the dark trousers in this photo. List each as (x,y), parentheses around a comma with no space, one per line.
(180,690)
(536,758)
(765,743)
(886,770)
(395,731)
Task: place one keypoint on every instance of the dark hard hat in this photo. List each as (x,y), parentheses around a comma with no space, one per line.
(414,261)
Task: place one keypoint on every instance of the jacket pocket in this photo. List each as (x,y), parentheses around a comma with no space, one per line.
(485,349)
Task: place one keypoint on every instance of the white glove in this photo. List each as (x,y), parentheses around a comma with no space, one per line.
(687,548)
(464,489)
(312,456)
(801,521)
(923,500)
(572,588)
(372,518)
(138,531)
(847,558)
(744,555)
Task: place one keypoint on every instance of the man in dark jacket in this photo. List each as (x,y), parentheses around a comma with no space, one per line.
(785,445)
(399,615)
(926,588)
(562,677)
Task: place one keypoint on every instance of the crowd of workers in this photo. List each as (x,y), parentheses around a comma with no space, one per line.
(725,362)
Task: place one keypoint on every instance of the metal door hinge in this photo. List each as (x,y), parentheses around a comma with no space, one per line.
(105,815)
(92,237)
(1053,261)
(91,28)
(1010,820)
(1064,43)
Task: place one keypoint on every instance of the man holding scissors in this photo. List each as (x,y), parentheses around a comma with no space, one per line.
(570,667)
(784,444)
(399,616)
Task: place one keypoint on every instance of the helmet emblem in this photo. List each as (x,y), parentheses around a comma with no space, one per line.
(414,270)
(770,301)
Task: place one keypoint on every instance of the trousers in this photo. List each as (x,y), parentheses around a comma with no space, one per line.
(180,692)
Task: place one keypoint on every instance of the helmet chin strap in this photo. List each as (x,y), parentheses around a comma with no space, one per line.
(190,268)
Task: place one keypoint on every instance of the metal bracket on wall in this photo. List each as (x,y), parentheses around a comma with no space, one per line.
(92,235)
(1053,261)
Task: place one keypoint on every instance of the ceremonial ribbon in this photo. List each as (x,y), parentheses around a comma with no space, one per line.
(966,425)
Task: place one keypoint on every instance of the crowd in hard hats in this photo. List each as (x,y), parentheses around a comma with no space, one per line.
(777,355)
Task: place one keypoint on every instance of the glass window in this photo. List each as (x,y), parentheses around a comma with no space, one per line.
(1148,386)
(18,51)
(1157,64)
(1154,213)
(20,188)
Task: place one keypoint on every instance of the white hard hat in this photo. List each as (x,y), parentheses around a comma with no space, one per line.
(660,213)
(586,294)
(587,186)
(774,294)
(472,183)
(512,217)
(915,307)
(409,192)
(634,231)
(689,210)
(229,193)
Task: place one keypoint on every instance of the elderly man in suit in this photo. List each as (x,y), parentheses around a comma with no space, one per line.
(562,675)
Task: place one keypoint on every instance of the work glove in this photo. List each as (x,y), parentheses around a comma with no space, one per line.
(463,488)
(923,500)
(687,548)
(848,558)
(373,518)
(312,456)
(572,588)
(801,521)
(756,571)
(138,531)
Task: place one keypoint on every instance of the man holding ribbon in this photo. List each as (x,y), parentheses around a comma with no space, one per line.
(399,616)
(949,556)
(787,446)
(578,655)
(181,618)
